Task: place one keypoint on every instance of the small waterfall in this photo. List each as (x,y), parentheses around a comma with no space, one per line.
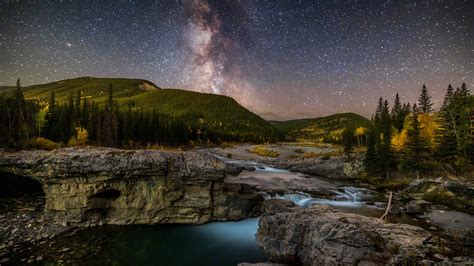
(297,198)
(351,193)
(344,197)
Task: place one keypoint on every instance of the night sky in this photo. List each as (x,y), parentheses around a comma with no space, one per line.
(280,58)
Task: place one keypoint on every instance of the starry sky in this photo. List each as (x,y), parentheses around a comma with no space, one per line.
(282,59)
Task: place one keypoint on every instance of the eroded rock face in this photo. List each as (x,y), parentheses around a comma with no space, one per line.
(334,168)
(322,235)
(92,186)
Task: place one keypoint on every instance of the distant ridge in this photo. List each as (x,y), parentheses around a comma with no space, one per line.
(319,129)
(216,112)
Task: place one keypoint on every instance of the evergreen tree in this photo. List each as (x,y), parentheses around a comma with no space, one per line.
(397,105)
(384,150)
(108,125)
(85,113)
(398,114)
(51,117)
(371,159)
(463,108)
(426,106)
(448,98)
(445,137)
(77,110)
(348,140)
(417,152)
(22,126)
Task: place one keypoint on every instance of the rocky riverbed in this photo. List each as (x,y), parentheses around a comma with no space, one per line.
(99,186)
(321,235)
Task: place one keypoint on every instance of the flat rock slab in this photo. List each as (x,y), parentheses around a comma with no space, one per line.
(265,180)
(452,221)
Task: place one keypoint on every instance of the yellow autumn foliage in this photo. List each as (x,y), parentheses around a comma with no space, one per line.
(80,139)
(428,127)
(399,140)
(360,131)
(82,136)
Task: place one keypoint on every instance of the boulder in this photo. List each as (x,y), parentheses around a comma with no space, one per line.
(322,235)
(92,186)
(456,194)
(417,206)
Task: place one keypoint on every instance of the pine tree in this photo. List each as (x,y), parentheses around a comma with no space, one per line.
(370,162)
(426,106)
(384,150)
(22,129)
(51,117)
(348,140)
(417,151)
(108,126)
(445,137)
(448,98)
(397,106)
(398,114)
(463,110)
(85,113)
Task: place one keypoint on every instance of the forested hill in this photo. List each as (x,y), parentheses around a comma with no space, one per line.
(216,114)
(93,88)
(321,129)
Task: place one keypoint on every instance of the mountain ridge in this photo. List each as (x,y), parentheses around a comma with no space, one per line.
(217,113)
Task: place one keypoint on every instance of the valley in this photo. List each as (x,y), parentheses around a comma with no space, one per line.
(241,186)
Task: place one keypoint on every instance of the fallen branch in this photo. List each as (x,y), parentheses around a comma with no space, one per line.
(388,206)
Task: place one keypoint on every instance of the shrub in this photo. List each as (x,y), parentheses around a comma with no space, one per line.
(44,144)
(326,157)
(311,154)
(263,151)
(441,197)
(82,136)
(299,151)
(80,139)
(393,183)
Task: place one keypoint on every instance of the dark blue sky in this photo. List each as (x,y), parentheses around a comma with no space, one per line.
(280,58)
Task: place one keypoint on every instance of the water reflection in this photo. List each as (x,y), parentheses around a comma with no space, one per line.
(224,243)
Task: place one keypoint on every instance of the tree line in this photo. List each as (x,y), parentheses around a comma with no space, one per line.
(415,138)
(81,121)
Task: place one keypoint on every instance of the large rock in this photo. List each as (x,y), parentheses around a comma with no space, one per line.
(99,185)
(334,168)
(417,206)
(321,235)
(458,194)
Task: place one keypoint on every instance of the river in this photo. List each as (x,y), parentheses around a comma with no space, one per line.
(218,243)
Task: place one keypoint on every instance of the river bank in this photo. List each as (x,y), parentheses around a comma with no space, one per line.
(213,184)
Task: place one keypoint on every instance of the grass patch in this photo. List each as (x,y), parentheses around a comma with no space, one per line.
(322,155)
(450,200)
(43,144)
(394,184)
(264,151)
(299,151)
(226,144)
(442,197)
(311,154)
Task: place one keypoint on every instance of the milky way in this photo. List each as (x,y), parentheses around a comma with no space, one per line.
(279,58)
(210,66)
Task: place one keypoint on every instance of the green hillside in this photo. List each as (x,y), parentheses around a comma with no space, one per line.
(217,113)
(94,88)
(322,129)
